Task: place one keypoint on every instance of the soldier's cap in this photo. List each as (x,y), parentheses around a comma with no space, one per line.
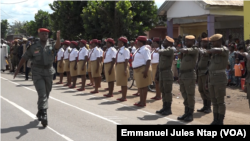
(43,30)
(99,42)
(84,42)
(74,42)
(191,37)
(156,39)
(141,38)
(110,40)
(66,42)
(123,39)
(205,39)
(171,40)
(94,41)
(25,39)
(135,41)
(216,37)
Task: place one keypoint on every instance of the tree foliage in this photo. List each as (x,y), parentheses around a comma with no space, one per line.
(16,27)
(4,28)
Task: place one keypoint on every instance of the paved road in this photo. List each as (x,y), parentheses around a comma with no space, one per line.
(72,115)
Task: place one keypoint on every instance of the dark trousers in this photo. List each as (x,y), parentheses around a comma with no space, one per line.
(55,67)
(237,78)
(27,71)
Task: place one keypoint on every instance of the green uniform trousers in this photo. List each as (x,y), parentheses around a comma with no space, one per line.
(166,90)
(14,62)
(202,87)
(187,88)
(248,93)
(43,86)
(217,94)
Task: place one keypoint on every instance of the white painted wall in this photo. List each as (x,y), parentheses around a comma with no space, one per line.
(185,9)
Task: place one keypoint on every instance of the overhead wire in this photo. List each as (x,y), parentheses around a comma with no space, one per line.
(15,2)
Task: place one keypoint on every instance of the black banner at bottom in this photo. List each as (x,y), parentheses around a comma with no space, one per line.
(177,131)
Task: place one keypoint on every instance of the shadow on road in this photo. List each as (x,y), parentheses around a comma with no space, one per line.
(21,129)
(131,96)
(97,98)
(70,91)
(173,123)
(83,94)
(198,115)
(149,117)
(109,102)
(126,108)
(24,85)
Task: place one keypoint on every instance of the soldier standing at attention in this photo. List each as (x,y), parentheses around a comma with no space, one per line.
(122,67)
(109,66)
(66,60)
(73,62)
(164,75)
(89,65)
(202,78)
(60,63)
(95,65)
(187,77)
(82,66)
(217,78)
(42,70)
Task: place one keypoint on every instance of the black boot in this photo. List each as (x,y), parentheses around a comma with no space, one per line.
(204,106)
(185,115)
(44,118)
(189,115)
(220,119)
(215,122)
(167,111)
(208,107)
(163,108)
(39,114)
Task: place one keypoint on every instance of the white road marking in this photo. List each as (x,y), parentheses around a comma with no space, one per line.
(34,117)
(109,100)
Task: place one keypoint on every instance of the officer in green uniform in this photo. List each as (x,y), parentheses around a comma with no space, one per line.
(42,57)
(164,75)
(203,77)
(14,59)
(187,77)
(217,78)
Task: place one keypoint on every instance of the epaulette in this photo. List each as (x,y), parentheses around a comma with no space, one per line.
(30,45)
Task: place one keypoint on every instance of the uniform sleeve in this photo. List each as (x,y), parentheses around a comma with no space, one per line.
(76,53)
(28,54)
(192,51)
(225,51)
(166,52)
(147,55)
(126,54)
(113,55)
(86,53)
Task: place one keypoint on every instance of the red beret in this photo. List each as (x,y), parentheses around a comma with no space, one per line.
(62,43)
(42,30)
(156,39)
(99,42)
(74,42)
(142,38)
(66,42)
(123,39)
(135,41)
(110,40)
(95,41)
(84,42)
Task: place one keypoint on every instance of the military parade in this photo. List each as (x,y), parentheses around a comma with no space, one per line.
(191,78)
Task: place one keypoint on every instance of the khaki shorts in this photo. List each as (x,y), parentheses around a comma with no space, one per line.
(93,69)
(66,68)
(60,70)
(154,69)
(79,68)
(111,77)
(121,79)
(73,72)
(142,82)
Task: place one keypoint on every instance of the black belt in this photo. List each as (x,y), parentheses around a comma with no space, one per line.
(42,66)
(185,71)
(139,67)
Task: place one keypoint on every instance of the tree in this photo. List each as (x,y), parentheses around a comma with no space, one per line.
(118,18)
(4,27)
(17,28)
(67,18)
(31,28)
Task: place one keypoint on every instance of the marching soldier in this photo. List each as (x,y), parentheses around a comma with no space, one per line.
(42,70)
(122,67)
(73,62)
(82,66)
(217,78)
(66,60)
(141,69)
(187,77)
(202,78)
(164,75)
(109,65)
(14,59)
(60,63)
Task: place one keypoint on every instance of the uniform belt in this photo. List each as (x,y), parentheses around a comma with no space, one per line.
(139,67)
(81,60)
(42,66)
(185,71)
(217,71)
(72,61)
(108,63)
(120,63)
(92,61)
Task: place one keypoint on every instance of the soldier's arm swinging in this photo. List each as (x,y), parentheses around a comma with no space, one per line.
(214,51)
(58,42)
(22,61)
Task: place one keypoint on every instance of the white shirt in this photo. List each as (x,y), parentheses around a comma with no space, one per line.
(95,54)
(109,54)
(66,52)
(141,56)
(73,55)
(60,54)
(123,54)
(133,49)
(155,57)
(101,52)
(82,53)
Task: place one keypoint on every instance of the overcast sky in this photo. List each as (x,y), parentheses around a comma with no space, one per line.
(24,10)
